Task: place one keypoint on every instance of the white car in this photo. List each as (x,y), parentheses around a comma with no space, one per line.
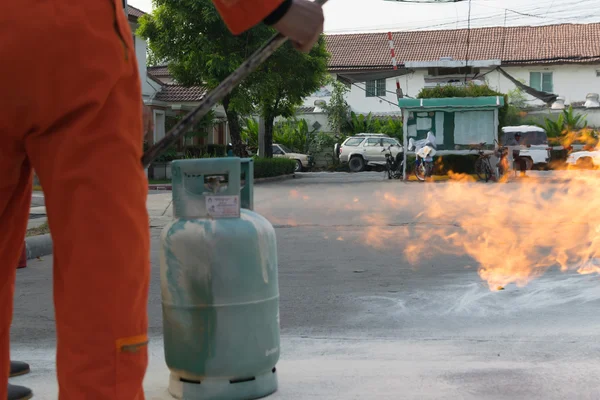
(366,149)
(584,159)
(533,145)
(303,161)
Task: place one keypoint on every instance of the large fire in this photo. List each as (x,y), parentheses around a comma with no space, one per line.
(514,231)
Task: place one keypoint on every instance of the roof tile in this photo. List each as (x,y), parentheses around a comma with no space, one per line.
(513,45)
(179,93)
(159,70)
(134,12)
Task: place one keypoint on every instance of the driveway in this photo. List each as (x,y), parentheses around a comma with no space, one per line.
(383,296)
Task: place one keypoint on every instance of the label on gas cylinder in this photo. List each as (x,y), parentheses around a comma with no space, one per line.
(223,206)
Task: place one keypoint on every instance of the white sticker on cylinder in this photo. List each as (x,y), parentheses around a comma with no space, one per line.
(223,206)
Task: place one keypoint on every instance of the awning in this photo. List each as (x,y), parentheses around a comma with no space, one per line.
(452,103)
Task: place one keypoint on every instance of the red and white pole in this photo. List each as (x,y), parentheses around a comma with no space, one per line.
(395,65)
(398,97)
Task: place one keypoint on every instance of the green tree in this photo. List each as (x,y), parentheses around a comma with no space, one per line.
(338,110)
(281,84)
(517,97)
(250,133)
(295,134)
(190,36)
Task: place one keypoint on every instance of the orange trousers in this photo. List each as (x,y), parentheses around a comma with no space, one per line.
(71,109)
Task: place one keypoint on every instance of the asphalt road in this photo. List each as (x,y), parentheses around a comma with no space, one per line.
(360,322)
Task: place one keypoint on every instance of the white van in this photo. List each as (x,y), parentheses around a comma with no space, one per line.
(533,144)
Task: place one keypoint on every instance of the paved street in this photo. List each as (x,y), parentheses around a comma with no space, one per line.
(360,322)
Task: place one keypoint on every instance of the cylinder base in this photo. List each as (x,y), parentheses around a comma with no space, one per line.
(224,389)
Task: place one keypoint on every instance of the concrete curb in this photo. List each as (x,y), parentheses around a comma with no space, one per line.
(160,187)
(275,178)
(38,246)
(256,181)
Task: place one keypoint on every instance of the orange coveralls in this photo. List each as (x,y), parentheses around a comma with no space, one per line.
(71,109)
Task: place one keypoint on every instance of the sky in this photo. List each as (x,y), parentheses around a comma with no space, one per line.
(343,16)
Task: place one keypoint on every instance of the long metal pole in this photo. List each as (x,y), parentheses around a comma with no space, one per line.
(404,142)
(218,94)
(398,97)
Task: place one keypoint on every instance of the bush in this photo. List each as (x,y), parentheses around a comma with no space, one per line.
(269,167)
(216,150)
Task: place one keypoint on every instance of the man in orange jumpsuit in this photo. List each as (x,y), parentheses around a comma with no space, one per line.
(71,110)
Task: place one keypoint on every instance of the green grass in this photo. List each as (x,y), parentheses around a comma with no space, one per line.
(38,230)
(159,181)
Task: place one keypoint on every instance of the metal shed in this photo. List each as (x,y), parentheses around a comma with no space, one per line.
(455,121)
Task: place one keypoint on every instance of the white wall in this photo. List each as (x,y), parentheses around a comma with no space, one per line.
(148,89)
(591,115)
(573,82)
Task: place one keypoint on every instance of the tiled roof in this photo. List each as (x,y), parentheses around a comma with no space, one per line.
(179,93)
(134,13)
(159,70)
(305,110)
(574,43)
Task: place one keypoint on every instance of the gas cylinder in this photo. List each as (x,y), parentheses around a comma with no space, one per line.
(219,285)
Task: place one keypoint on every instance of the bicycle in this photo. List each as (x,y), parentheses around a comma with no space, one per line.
(483,165)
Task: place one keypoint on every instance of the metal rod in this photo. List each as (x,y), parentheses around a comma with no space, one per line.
(216,95)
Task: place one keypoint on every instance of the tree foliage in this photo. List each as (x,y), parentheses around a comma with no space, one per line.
(281,84)
(569,128)
(338,109)
(190,36)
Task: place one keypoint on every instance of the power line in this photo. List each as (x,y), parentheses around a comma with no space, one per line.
(565,11)
(468,43)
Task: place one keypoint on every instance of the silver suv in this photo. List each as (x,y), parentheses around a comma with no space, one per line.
(366,149)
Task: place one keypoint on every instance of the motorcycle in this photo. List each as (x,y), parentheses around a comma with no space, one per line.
(424,149)
(393,165)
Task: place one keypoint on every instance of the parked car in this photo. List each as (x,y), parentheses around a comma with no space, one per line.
(366,149)
(303,161)
(584,159)
(532,144)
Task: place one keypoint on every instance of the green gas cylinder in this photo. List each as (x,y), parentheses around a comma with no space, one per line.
(219,284)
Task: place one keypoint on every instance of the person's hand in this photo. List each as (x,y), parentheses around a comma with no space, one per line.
(302,24)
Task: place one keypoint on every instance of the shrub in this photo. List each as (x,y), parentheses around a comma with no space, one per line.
(269,167)
(216,150)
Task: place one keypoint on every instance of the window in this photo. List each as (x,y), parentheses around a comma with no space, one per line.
(353,142)
(541,81)
(276,150)
(376,88)
(390,142)
(374,142)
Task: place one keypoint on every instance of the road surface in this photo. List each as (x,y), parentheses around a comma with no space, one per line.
(359,322)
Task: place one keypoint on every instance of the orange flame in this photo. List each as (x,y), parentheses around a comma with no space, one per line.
(515,232)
